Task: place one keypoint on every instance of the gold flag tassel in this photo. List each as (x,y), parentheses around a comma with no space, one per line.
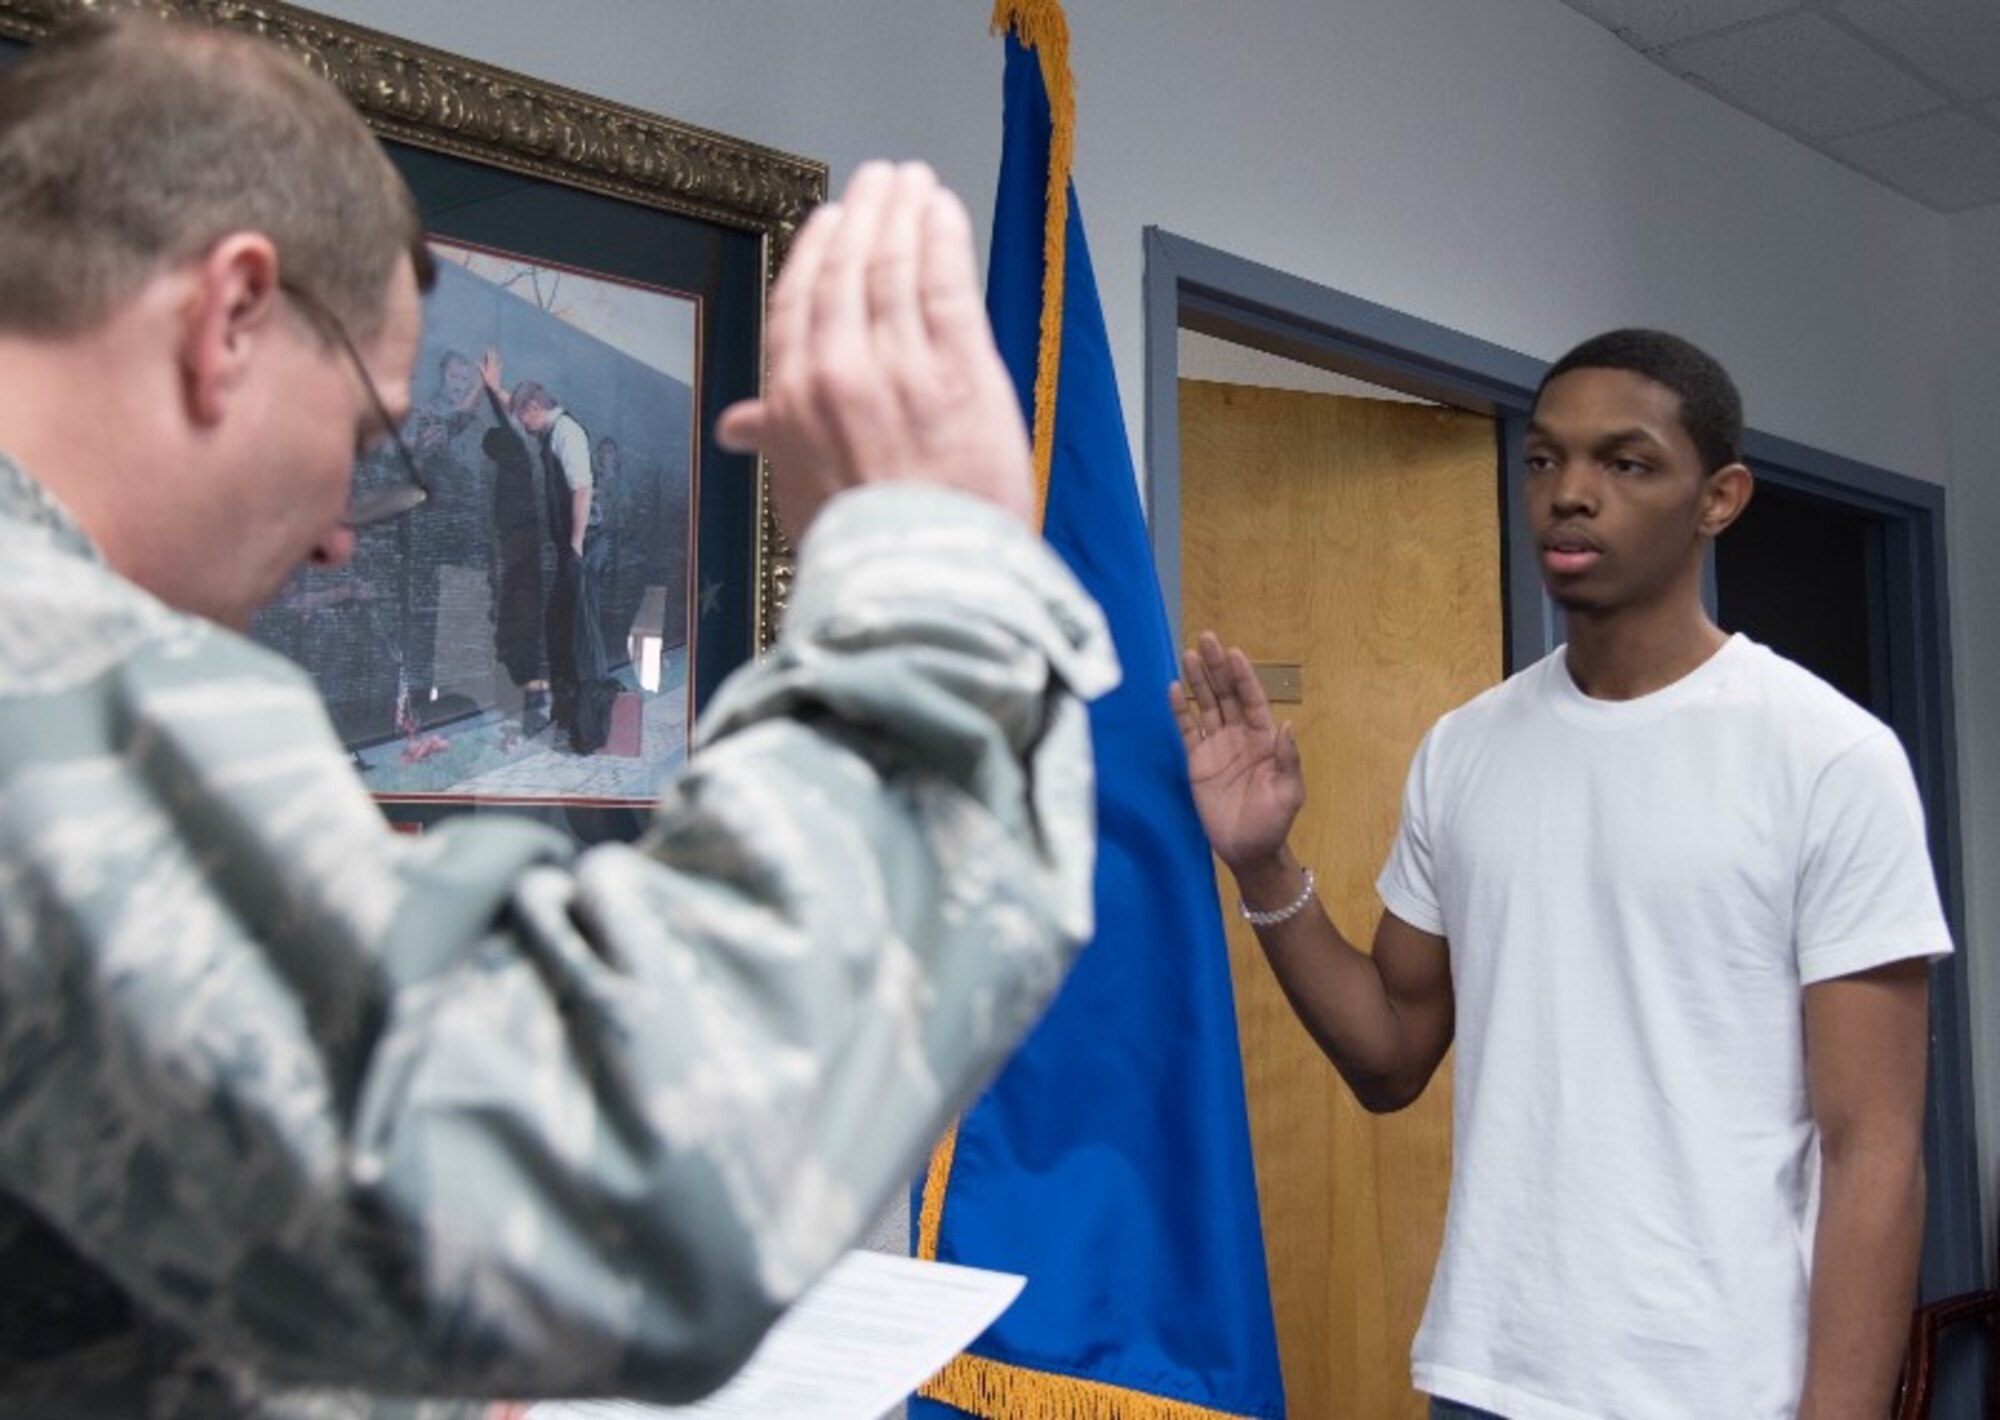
(1043,30)
(982,1387)
(972,1383)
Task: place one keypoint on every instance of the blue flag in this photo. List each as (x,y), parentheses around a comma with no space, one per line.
(1110,1162)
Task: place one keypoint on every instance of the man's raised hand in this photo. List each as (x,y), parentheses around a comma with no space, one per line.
(882,367)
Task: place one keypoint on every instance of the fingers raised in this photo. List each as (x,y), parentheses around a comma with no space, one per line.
(948,279)
(788,324)
(1247,691)
(1215,664)
(1196,674)
(840,290)
(895,308)
(881,366)
(740,429)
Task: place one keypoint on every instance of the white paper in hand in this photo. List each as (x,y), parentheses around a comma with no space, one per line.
(860,1340)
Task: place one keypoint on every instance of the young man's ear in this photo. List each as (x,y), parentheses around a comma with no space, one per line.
(233,303)
(1725,493)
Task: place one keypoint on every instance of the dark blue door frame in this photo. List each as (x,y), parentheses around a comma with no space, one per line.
(1204,289)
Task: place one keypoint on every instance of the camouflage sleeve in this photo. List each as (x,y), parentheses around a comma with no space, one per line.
(469,1114)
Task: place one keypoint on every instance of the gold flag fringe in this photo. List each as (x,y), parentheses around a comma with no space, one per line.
(930,1216)
(1041,27)
(975,1384)
(982,1387)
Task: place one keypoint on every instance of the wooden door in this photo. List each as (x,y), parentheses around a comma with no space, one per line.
(1360,540)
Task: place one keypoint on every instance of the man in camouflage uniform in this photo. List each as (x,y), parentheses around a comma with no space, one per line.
(293,1107)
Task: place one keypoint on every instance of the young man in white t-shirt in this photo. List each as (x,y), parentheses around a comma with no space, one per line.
(1670,894)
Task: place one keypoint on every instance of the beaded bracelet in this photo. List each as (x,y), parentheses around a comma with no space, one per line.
(1278,914)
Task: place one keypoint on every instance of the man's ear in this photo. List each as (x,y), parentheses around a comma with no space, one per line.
(232,309)
(1725,493)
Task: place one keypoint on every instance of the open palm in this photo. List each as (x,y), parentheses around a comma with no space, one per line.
(1243,765)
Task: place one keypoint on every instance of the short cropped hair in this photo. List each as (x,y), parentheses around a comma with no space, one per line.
(132,144)
(529,395)
(1711,409)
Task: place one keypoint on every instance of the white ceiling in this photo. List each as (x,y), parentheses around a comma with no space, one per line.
(1906,91)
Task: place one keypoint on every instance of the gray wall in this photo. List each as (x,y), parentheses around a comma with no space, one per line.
(1974,421)
(1504,167)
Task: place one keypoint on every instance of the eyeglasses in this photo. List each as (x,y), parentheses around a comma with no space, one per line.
(368,506)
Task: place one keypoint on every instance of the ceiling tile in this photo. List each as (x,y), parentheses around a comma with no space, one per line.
(1955,42)
(1650,24)
(1949,161)
(1803,74)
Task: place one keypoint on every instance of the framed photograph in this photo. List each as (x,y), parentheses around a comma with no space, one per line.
(524,636)
(542,633)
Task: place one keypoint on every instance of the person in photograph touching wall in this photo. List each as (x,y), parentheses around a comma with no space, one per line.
(580,688)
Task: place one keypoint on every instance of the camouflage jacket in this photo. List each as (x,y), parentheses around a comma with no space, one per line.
(292,1105)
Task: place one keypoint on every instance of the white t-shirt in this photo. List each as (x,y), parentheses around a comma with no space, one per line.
(1635,893)
(571,446)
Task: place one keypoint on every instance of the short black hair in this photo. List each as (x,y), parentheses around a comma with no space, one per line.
(1711,409)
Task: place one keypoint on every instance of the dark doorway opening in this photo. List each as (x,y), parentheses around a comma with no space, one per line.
(1803,575)
(1814,579)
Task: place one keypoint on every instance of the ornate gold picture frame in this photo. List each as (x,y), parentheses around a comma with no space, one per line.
(564,182)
